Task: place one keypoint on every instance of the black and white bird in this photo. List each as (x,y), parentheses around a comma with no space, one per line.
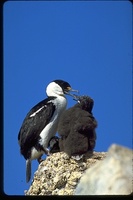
(40,124)
(76,128)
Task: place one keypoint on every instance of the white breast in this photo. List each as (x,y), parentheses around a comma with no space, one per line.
(51,128)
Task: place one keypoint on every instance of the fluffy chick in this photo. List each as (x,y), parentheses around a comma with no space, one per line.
(77,128)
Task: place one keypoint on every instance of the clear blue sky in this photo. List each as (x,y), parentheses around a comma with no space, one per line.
(88,44)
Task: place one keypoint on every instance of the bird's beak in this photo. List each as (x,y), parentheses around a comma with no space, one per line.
(76,98)
(69,89)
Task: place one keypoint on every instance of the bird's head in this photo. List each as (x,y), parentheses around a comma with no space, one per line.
(59,88)
(85,102)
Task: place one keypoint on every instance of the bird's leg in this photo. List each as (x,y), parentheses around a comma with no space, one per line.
(39,159)
(46,151)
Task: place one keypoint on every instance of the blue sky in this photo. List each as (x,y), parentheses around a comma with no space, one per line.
(86,43)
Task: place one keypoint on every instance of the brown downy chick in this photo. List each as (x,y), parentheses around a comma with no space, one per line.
(77,128)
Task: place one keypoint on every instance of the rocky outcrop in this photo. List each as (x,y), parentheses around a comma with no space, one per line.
(96,173)
(59,174)
(112,176)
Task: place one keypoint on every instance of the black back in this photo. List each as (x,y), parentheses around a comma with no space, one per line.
(33,125)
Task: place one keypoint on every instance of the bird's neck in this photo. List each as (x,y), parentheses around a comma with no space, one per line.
(61,103)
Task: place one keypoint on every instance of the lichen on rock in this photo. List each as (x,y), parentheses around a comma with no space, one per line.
(59,174)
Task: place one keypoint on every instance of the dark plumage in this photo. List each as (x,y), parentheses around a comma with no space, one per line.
(77,128)
(40,124)
(33,125)
(54,145)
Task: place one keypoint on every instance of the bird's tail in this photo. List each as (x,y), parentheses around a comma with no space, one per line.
(28,170)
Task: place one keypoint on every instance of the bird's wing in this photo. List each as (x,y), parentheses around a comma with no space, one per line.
(37,118)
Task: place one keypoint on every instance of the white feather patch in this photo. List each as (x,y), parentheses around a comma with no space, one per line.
(51,128)
(32,115)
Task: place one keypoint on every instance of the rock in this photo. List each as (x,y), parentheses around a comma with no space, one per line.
(59,174)
(112,176)
(96,173)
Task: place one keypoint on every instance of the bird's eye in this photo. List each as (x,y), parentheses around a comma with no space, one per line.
(68,88)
